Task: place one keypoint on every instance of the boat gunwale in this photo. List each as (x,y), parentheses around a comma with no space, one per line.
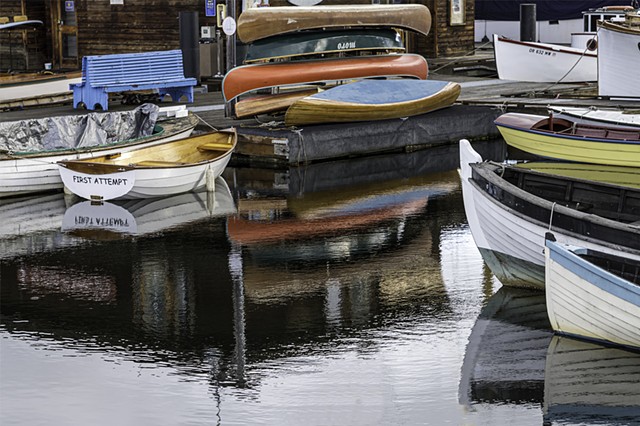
(100,168)
(556,134)
(486,171)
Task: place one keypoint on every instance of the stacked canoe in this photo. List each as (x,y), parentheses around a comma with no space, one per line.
(300,54)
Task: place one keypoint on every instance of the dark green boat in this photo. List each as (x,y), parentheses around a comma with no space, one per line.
(306,43)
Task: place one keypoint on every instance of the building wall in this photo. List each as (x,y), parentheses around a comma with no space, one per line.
(22,50)
(146,25)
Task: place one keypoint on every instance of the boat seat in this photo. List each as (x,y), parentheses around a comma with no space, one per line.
(591,133)
(623,135)
(212,146)
(4,19)
(154,163)
(20,18)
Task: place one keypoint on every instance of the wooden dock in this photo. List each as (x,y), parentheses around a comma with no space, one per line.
(266,139)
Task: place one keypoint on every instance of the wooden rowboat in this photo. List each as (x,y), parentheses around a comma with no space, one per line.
(592,295)
(509,210)
(564,139)
(372,100)
(34,169)
(327,42)
(258,23)
(173,168)
(248,78)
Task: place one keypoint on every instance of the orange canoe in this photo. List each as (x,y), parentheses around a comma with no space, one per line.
(248,78)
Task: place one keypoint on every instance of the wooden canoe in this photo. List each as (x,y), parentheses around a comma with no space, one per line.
(258,23)
(265,104)
(173,168)
(373,100)
(327,42)
(248,78)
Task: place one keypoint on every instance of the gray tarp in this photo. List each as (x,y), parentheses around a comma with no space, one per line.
(76,131)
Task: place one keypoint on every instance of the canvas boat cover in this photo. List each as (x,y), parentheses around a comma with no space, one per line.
(546,10)
(77,131)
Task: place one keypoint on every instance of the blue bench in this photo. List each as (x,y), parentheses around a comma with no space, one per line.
(106,74)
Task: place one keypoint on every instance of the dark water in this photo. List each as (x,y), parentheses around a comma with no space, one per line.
(347,293)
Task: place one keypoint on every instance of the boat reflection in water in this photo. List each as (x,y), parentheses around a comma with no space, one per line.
(587,383)
(505,357)
(148,216)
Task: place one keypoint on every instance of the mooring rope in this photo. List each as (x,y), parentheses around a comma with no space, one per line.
(553,206)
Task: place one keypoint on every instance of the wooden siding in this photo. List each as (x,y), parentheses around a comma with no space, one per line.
(146,25)
(14,43)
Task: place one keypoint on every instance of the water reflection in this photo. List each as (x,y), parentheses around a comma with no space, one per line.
(590,383)
(351,293)
(505,357)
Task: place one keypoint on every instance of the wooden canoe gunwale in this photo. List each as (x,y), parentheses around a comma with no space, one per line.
(258,23)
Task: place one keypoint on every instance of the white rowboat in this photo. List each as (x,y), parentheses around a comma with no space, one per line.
(172,168)
(592,295)
(543,62)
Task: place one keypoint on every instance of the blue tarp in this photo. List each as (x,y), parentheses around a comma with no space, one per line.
(509,10)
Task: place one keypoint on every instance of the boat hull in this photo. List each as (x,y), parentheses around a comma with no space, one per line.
(33,86)
(543,62)
(368,100)
(499,228)
(23,174)
(258,23)
(249,78)
(587,301)
(164,170)
(618,60)
(518,132)
(326,42)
